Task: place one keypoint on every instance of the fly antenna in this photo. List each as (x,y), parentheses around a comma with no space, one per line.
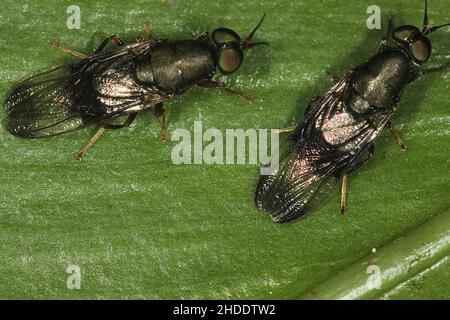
(426,24)
(247,42)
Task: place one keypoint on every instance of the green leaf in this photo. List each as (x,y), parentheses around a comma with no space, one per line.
(397,266)
(139,226)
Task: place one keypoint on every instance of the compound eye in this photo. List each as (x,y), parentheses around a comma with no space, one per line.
(230,59)
(404,32)
(421,50)
(224,35)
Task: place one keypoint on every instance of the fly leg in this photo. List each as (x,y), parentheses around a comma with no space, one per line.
(371,151)
(160,113)
(420,74)
(284,130)
(343,194)
(57,45)
(396,135)
(114,38)
(149,30)
(386,38)
(332,76)
(204,36)
(211,84)
(100,132)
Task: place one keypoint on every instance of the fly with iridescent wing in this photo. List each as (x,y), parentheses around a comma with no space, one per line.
(121,82)
(339,128)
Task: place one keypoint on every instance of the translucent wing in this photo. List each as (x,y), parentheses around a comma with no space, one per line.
(329,143)
(42,105)
(76,95)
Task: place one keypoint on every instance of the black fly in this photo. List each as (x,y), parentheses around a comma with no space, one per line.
(339,129)
(109,84)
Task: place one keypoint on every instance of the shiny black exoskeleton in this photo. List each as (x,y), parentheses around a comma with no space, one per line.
(174,66)
(120,82)
(340,126)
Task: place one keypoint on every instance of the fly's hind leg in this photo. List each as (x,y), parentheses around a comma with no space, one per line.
(396,135)
(100,132)
(160,113)
(114,38)
(57,45)
(343,208)
(91,142)
(211,84)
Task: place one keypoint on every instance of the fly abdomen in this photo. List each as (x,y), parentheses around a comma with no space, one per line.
(143,70)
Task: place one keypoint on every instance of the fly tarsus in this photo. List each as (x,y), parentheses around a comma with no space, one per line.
(211,84)
(284,130)
(396,136)
(80,155)
(149,30)
(114,38)
(161,113)
(57,45)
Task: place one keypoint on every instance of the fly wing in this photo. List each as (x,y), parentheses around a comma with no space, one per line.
(297,185)
(76,95)
(329,143)
(42,105)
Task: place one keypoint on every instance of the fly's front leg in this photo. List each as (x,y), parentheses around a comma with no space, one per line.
(160,113)
(396,135)
(57,45)
(343,194)
(211,84)
(204,36)
(100,132)
(385,40)
(420,74)
(114,38)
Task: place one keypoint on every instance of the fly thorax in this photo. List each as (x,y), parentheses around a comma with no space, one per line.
(381,80)
(178,65)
